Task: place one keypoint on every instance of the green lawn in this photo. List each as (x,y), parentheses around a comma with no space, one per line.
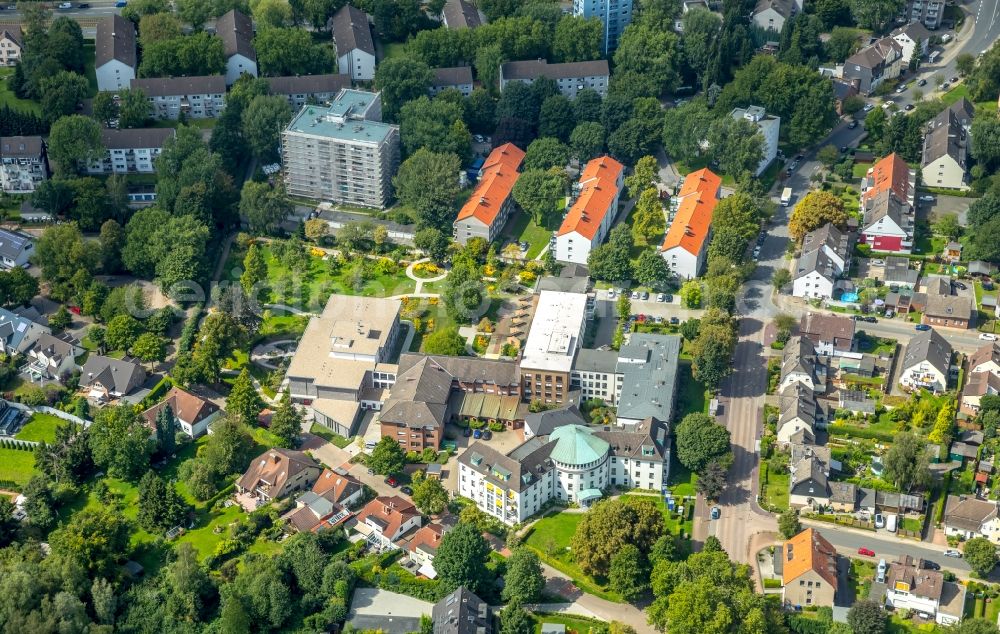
(776,490)
(326,434)
(16,465)
(393,49)
(691,397)
(89,71)
(860,169)
(205,538)
(677,525)
(40,427)
(682,481)
(8,98)
(524,229)
(960,91)
(550,538)
(574,624)
(684,168)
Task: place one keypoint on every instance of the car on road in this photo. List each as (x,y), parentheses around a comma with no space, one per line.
(867,552)
(63,6)
(931,565)
(478,138)
(406,490)
(121,4)
(716,513)
(954,80)
(908,107)
(674,321)
(869,107)
(391,481)
(945,86)
(922,82)
(843,149)
(951,552)
(960,286)
(83,5)
(927,198)
(852,125)
(901,88)
(987,336)
(922,327)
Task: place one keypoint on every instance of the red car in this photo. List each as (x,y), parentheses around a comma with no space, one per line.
(867,552)
(391,481)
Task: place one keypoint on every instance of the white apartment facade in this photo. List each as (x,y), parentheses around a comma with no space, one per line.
(22,164)
(195,97)
(571,77)
(115,57)
(131,151)
(591,215)
(11,46)
(352,37)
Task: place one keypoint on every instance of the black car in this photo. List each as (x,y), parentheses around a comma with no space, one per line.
(674,321)
(960,286)
(908,107)
(668,298)
(83,5)
(406,490)
(922,82)
(931,565)
(487,434)
(852,125)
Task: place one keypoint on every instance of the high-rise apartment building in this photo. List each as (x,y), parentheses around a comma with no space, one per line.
(615,15)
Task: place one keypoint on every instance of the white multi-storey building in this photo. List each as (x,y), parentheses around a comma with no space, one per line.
(11,45)
(352,37)
(341,153)
(571,77)
(236,30)
(115,56)
(23,163)
(590,216)
(196,97)
(131,151)
(614,15)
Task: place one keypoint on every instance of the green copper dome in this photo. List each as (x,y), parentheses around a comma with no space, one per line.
(575,445)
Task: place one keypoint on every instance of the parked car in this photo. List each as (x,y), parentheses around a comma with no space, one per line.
(487,434)
(867,552)
(371,471)
(674,321)
(611,293)
(852,125)
(406,490)
(661,298)
(843,149)
(960,286)
(668,298)
(987,336)
(635,294)
(716,513)
(391,481)
(954,80)
(922,327)
(869,107)
(879,520)
(945,86)
(889,314)
(121,4)
(908,107)
(931,565)
(477,434)
(951,552)
(922,82)
(645,295)
(83,5)
(901,88)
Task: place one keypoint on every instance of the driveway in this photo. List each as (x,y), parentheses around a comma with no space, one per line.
(326,452)
(942,205)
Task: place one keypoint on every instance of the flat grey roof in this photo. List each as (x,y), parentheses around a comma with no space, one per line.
(648,388)
(342,119)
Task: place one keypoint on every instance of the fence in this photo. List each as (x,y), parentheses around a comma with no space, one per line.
(19,445)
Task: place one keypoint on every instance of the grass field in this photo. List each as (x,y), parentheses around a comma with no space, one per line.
(524,229)
(776,490)
(16,465)
(692,393)
(960,91)
(8,98)
(326,434)
(574,625)
(40,427)
(550,538)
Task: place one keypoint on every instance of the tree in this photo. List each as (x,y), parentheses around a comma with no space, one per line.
(264,206)
(577,39)
(286,423)
(243,400)
(133,108)
(629,573)
(66,260)
(828,155)
(943,423)
(61,93)
(523,580)
(712,480)
(94,539)
(986,142)
(122,332)
(263,120)
(428,182)
(647,57)
(436,125)
(193,55)
(401,79)
(587,140)
(643,176)
(445,341)
(433,242)
(737,145)
(104,108)
(463,292)
(981,555)
(690,294)
(905,463)
(166,430)
(160,506)
(965,63)
(62,319)
(648,221)
(875,14)
(699,38)
(254,269)
(73,141)
(651,270)
(789,524)
(119,442)
(149,347)
(539,192)
(700,440)
(555,119)
(545,153)
(975,626)
(514,619)
(815,210)
(387,458)
(781,278)
(623,307)
(609,526)
(461,558)
(866,617)
(611,261)
(429,496)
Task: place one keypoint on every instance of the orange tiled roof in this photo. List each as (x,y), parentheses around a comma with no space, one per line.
(499,173)
(600,186)
(335,486)
(809,551)
(891,172)
(392,510)
(429,535)
(698,196)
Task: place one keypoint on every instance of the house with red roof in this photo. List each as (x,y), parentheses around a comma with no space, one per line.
(327,504)
(593,210)
(486,211)
(386,519)
(423,546)
(686,243)
(887,194)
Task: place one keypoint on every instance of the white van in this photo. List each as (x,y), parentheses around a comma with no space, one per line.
(880,571)
(890,524)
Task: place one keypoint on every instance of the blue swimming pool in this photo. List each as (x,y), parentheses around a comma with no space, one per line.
(849,297)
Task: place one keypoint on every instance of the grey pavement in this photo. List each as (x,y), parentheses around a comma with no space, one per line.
(386,611)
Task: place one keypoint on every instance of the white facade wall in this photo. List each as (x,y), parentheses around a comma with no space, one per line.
(200,428)
(114,75)
(125,161)
(573,247)
(796,377)
(924,375)
(606,386)
(790,427)
(358,64)
(683,263)
(944,172)
(237,65)
(813,285)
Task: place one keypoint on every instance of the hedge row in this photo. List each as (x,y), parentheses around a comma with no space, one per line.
(859,432)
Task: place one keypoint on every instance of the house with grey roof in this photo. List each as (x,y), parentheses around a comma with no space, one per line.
(809,484)
(418,406)
(913,38)
(595,373)
(107,378)
(798,412)
(236,30)
(19,333)
(458,78)
(459,14)
(833,242)
(945,159)
(352,37)
(545,422)
(196,97)
(771,14)
(11,45)
(130,151)
(815,276)
(801,365)
(951,311)
(888,221)
(22,164)
(855,401)
(53,357)
(462,612)
(571,77)
(876,63)
(648,366)
(926,362)
(968,517)
(308,89)
(115,58)
(16,248)
(898,272)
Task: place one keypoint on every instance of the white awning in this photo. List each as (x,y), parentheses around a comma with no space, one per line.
(428,571)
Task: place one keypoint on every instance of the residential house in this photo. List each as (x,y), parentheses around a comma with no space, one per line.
(809,483)
(855,401)
(985,359)
(462,612)
(647,365)
(571,77)
(595,375)
(341,365)
(115,57)
(459,14)
(797,413)
(486,211)
(417,409)
(278,473)
(968,516)
(808,570)
(16,249)
(926,363)
(897,272)
(876,63)
(458,78)
(911,586)
(945,159)
(686,243)
(833,242)
(843,497)
(196,97)
(423,546)
(131,151)
(236,30)
(301,90)
(352,37)
(889,173)
(914,39)
(952,253)
(771,14)
(327,503)
(384,520)
(11,45)
(951,311)
(614,16)
(843,90)
(801,365)
(53,358)
(555,335)
(22,163)
(545,422)
(832,335)
(18,333)
(193,413)
(593,211)
(321,141)
(769,126)
(815,276)
(927,12)
(107,378)
(888,223)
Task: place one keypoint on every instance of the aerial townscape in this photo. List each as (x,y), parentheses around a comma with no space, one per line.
(500,316)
